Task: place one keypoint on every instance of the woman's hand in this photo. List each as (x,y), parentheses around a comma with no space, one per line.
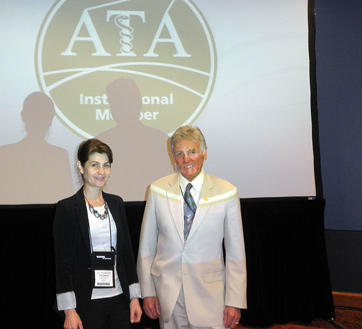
(72,320)
(136,310)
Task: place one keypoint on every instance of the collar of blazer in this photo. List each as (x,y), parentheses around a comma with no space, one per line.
(206,197)
(82,214)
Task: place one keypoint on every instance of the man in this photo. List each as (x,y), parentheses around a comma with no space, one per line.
(184,278)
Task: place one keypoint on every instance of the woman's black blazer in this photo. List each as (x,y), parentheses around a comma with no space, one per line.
(73,249)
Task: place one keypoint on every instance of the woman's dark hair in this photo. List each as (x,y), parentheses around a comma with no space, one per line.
(90,146)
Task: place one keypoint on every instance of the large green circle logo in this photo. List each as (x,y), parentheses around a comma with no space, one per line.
(164,46)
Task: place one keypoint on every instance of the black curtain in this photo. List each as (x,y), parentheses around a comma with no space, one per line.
(288,276)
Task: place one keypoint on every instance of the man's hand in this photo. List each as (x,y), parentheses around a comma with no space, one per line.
(231,317)
(151,306)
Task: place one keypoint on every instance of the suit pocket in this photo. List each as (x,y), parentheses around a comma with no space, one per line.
(156,270)
(214,276)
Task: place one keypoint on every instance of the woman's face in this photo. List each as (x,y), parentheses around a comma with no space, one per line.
(96,170)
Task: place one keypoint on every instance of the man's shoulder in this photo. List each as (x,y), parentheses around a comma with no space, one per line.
(219,182)
(170,180)
(166,181)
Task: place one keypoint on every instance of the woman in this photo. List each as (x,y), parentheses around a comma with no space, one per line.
(96,280)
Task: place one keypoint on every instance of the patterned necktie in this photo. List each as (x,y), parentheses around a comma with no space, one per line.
(189,210)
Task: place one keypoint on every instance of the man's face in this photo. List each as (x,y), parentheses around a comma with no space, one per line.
(189,158)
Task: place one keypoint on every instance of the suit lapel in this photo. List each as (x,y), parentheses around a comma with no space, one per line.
(206,197)
(175,202)
(82,215)
(113,208)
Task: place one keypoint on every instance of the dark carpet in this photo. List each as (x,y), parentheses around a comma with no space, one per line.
(346,318)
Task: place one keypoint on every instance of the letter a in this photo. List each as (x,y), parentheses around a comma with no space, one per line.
(93,37)
(166,22)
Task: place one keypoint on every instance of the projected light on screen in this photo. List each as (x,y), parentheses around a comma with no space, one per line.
(131,72)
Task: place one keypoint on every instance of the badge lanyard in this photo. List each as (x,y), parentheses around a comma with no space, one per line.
(103,263)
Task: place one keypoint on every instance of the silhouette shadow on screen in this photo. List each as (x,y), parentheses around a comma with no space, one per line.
(35,171)
(141,153)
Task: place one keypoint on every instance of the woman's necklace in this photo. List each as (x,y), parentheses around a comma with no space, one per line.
(95,212)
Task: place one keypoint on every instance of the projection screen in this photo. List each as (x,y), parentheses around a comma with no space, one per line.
(131,72)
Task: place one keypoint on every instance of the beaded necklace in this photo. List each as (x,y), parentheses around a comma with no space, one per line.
(95,212)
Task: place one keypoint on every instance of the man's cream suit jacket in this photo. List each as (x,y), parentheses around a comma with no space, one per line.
(166,263)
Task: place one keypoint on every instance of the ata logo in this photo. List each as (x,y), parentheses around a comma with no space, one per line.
(164,46)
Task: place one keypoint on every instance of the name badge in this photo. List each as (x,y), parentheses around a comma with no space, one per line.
(104,278)
(103,269)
